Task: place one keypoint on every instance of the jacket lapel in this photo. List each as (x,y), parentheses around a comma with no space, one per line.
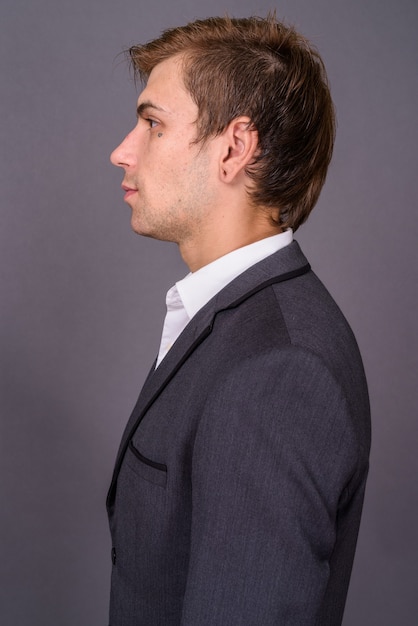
(284,265)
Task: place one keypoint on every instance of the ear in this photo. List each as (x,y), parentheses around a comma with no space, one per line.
(238,148)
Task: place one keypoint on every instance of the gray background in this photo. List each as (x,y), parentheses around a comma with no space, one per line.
(82,297)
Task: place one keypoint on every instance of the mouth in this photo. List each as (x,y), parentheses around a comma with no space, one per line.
(129,191)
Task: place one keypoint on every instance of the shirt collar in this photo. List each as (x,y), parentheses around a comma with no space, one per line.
(197,288)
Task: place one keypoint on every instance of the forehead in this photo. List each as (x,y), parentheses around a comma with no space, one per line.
(165,88)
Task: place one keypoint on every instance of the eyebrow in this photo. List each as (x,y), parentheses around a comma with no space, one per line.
(147,104)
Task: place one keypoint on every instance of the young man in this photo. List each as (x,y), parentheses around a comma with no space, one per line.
(238,487)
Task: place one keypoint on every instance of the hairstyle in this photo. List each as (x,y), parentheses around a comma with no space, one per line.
(260,68)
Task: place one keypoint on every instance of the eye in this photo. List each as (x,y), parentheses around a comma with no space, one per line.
(152,123)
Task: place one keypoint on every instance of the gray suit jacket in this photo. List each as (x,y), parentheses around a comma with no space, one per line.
(239,483)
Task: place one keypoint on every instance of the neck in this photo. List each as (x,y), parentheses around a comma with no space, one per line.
(225,235)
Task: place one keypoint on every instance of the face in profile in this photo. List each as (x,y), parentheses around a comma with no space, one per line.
(167,179)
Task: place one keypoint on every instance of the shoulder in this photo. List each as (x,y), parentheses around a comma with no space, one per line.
(290,389)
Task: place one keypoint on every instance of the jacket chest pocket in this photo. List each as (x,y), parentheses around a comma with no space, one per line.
(151,471)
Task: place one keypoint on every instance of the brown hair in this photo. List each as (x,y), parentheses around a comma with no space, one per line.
(260,68)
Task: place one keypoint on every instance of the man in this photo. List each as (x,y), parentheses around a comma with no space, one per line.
(238,486)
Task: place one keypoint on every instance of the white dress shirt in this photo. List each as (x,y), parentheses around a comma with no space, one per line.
(191,293)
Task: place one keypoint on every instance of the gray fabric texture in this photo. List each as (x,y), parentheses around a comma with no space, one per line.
(239,483)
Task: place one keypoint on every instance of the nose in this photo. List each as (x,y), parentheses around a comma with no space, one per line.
(123,155)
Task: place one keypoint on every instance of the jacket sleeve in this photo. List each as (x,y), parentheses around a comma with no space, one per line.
(273,452)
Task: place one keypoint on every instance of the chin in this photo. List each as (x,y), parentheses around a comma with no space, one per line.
(137,227)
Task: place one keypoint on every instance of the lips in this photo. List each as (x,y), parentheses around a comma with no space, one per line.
(129,191)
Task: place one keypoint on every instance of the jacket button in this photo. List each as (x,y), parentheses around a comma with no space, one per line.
(113,556)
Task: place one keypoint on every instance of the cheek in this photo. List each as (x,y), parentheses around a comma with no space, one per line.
(164,163)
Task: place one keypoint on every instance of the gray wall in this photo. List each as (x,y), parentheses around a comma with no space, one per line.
(82,297)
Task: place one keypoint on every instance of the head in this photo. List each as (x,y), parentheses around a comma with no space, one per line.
(265,71)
